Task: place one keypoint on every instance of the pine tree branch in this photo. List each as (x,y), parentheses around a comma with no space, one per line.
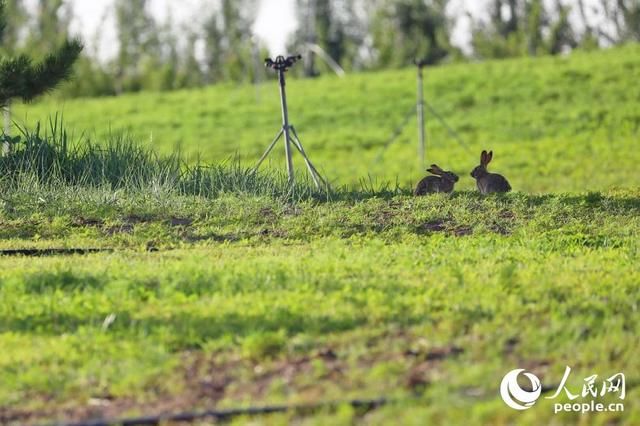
(20,78)
(54,69)
(12,77)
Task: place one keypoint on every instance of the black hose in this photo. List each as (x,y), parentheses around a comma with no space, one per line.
(188,417)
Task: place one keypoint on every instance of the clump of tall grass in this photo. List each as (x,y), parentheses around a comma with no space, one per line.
(49,158)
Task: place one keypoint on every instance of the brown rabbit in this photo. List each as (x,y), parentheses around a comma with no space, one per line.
(489,182)
(442,182)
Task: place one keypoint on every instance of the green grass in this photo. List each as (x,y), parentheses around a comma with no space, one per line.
(555,124)
(225,288)
(245,289)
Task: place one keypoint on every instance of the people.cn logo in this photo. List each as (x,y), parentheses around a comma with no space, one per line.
(516,397)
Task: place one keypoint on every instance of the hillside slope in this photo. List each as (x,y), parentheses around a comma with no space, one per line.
(252,301)
(555,123)
(219,288)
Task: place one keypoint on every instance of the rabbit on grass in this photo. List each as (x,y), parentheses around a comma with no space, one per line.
(489,182)
(442,181)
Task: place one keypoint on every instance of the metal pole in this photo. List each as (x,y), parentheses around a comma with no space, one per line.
(317,178)
(420,109)
(266,153)
(285,125)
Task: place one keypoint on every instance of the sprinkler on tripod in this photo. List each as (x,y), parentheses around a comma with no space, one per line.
(419,109)
(281,65)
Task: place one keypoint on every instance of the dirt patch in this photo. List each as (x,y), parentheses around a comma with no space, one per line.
(500,229)
(205,377)
(180,221)
(510,345)
(203,380)
(461,231)
(82,222)
(439,354)
(52,252)
(384,216)
(506,214)
(199,391)
(125,228)
(134,218)
(435,354)
(432,226)
(417,379)
(444,225)
(274,233)
(292,210)
(267,215)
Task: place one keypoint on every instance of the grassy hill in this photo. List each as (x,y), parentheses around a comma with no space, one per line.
(239,301)
(222,289)
(555,124)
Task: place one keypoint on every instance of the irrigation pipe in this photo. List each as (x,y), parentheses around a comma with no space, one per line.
(190,417)
(222,415)
(37,252)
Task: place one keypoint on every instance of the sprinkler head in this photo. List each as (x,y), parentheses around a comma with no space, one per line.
(281,63)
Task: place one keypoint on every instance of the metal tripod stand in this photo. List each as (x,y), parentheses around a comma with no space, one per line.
(419,108)
(281,65)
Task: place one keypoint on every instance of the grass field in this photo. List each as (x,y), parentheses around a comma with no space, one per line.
(555,124)
(224,290)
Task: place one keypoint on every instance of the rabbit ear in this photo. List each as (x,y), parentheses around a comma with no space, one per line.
(436,170)
(483,158)
(433,171)
(489,157)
